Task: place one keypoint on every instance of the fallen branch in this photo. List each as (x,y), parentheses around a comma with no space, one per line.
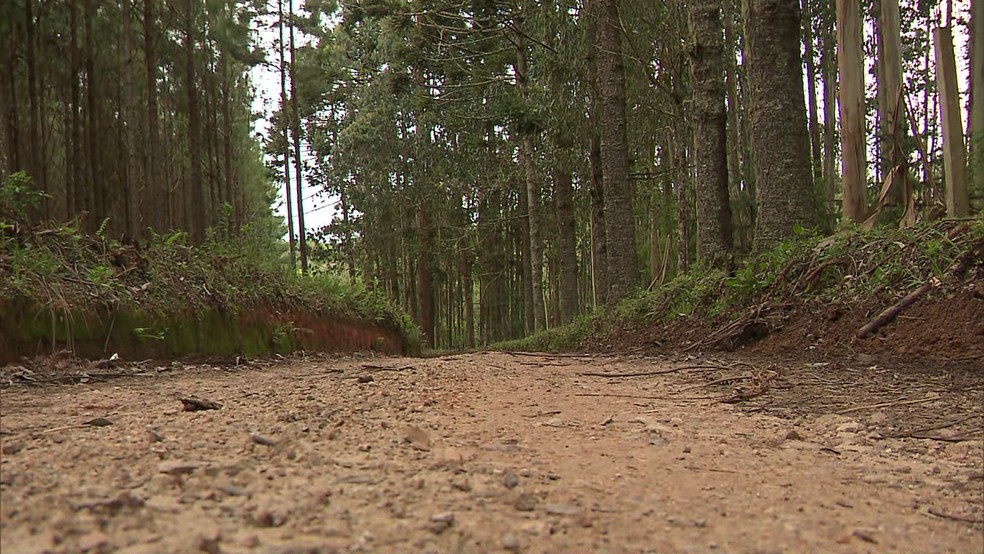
(941,514)
(705,367)
(901,402)
(889,314)
(386,367)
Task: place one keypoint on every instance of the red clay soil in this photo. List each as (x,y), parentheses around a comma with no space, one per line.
(946,328)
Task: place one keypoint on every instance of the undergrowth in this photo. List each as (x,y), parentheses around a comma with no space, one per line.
(61,269)
(842,268)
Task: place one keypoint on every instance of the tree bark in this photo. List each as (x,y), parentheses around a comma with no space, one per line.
(96,180)
(780,139)
(157,197)
(284,126)
(895,123)
(566,244)
(296,131)
(132,190)
(811,88)
(196,192)
(37,163)
(599,250)
(623,265)
(850,61)
(828,68)
(976,116)
(954,160)
(714,238)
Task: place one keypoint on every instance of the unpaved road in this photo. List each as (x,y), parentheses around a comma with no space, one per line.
(493,452)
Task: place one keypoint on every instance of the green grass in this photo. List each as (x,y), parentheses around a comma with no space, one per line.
(845,267)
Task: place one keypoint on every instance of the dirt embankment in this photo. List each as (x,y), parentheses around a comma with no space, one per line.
(498,452)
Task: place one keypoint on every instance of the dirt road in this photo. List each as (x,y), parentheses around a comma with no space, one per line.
(498,452)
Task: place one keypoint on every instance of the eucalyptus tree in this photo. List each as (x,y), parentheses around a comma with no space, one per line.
(780,139)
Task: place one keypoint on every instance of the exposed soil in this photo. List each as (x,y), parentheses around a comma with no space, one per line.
(943,328)
(497,452)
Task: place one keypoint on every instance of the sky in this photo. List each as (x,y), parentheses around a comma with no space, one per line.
(319,210)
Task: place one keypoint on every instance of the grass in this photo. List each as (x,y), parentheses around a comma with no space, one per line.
(842,268)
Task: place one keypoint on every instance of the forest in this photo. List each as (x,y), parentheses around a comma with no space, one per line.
(494,167)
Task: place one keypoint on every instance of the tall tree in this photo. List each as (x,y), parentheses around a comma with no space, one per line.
(714,238)
(620,233)
(285,127)
(850,60)
(295,121)
(976,118)
(780,139)
(195,193)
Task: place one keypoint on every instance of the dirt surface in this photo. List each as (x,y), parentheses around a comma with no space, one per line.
(497,452)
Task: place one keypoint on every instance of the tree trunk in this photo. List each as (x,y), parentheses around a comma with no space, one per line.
(714,240)
(296,131)
(196,191)
(954,160)
(599,250)
(526,158)
(976,116)
(850,61)
(526,273)
(96,177)
(425,285)
(284,118)
(623,265)
(156,196)
(895,123)
(566,244)
(731,86)
(37,165)
(780,139)
(811,87)
(133,187)
(828,67)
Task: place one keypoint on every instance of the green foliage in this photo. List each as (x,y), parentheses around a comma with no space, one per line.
(844,267)
(66,271)
(18,197)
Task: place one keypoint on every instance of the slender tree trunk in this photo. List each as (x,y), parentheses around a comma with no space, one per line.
(288,195)
(536,240)
(731,86)
(811,89)
(954,160)
(96,177)
(850,61)
(37,166)
(526,257)
(157,197)
(599,250)
(780,138)
(133,187)
(620,231)
(828,67)
(425,285)
(196,191)
(976,116)
(566,244)
(714,239)
(296,131)
(895,124)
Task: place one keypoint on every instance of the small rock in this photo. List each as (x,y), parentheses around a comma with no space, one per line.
(462,484)
(793,435)
(265,441)
(440,523)
(526,502)
(510,541)
(849,427)
(92,541)
(264,517)
(365,379)
(417,437)
(178,467)
(209,542)
(11,448)
(686,450)
(562,509)
(510,480)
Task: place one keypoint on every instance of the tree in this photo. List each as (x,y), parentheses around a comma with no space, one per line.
(780,139)
(850,59)
(620,234)
(976,116)
(714,238)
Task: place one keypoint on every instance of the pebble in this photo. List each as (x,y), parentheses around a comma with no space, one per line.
(440,523)
(417,437)
(92,541)
(510,480)
(178,467)
(526,502)
(563,509)
(510,541)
